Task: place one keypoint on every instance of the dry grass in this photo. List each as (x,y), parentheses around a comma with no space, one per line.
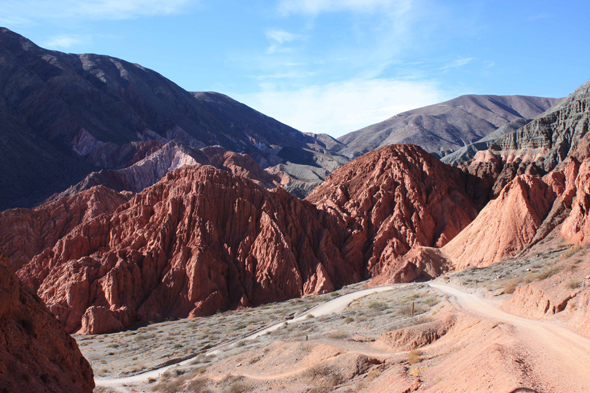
(510,286)
(338,334)
(542,275)
(377,305)
(573,283)
(415,356)
(571,251)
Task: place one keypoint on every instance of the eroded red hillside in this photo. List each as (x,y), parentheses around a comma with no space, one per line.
(200,240)
(393,199)
(36,354)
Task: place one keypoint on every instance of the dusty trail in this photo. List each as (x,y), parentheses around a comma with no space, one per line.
(332,306)
(559,358)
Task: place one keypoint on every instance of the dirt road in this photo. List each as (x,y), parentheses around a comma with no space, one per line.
(332,306)
(558,359)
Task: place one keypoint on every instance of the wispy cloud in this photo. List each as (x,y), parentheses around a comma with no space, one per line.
(315,7)
(460,62)
(278,38)
(539,16)
(338,108)
(26,11)
(62,42)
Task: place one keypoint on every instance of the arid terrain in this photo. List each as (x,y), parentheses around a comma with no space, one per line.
(461,339)
(190,243)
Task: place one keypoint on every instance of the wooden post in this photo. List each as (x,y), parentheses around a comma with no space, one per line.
(412,308)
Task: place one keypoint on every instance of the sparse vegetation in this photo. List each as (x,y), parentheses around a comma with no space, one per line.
(510,286)
(571,251)
(415,356)
(338,334)
(377,305)
(573,283)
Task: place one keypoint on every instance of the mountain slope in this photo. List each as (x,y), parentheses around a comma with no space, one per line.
(63,116)
(446,126)
(392,199)
(36,354)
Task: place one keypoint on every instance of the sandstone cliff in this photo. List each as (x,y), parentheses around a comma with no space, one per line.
(36,353)
(25,233)
(200,240)
(393,199)
(505,226)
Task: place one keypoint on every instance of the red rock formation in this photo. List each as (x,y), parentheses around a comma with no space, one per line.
(393,199)
(25,233)
(576,228)
(506,225)
(420,263)
(36,354)
(200,240)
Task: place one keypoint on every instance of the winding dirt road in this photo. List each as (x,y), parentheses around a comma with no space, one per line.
(559,359)
(330,307)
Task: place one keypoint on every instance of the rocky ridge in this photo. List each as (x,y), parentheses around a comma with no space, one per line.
(198,241)
(64,116)
(204,239)
(393,199)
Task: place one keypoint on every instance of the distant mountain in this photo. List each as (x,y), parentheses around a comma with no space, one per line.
(63,116)
(445,127)
(550,138)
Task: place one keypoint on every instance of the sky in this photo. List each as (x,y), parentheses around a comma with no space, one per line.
(328,66)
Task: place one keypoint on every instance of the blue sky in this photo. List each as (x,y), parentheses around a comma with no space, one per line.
(330,66)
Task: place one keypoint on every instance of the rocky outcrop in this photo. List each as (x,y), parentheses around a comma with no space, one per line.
(468,152)
(576,227)
(447,126)
(419,264)
(506,225)
(393,199)
(200,240)
(25,233)
(549,138)
(170,156)
(36,353)
(417,336)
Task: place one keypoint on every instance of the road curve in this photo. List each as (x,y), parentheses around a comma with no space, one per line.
(560,357)
(335,305)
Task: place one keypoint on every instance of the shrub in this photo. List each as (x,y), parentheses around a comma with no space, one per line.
(198,385)
(571,251)
(548,272)
(573,283)
(414,356)
(510,286)
(317,371)
(377,305)
(338,334)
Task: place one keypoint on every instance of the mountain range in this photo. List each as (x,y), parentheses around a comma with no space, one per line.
(127,200)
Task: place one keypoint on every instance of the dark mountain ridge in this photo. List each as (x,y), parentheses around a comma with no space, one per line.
(63,116)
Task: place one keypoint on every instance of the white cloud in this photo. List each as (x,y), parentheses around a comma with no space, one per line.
(460,62)
(315,7)
(338,108)
(30,10)
(62,41)
(281,36)
(278,38)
